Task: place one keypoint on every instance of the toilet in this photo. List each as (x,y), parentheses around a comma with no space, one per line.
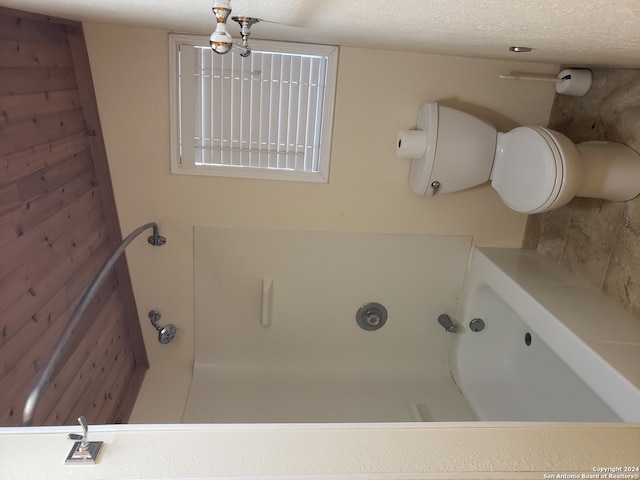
(533,169)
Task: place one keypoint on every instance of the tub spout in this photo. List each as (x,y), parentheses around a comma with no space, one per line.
(447,323)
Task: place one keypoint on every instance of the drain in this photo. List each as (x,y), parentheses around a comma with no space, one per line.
(527,339)
(371,316)
(477,325)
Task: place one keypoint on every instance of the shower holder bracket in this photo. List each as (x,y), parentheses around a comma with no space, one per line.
(156,239)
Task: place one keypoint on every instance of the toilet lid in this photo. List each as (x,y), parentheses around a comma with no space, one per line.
(527,170)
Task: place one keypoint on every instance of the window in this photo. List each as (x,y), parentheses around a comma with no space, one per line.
(268,115)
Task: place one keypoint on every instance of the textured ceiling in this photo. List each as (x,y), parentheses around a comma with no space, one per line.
(572,32)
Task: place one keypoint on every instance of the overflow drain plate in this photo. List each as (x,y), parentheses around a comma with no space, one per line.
(371,316)
(477,325)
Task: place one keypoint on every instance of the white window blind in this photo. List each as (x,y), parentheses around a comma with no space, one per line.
(268,115)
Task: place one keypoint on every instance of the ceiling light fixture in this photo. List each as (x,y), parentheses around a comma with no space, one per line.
(220,40)
(520,49)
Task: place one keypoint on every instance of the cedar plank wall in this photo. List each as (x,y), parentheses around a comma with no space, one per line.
(58,224)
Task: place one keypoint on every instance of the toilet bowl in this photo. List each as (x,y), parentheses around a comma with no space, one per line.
(533,169)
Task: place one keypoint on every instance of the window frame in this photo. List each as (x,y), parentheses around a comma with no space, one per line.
(176,112)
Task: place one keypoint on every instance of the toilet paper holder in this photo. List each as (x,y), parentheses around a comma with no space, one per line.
(571,81)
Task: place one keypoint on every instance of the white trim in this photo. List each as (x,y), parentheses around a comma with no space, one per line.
(390,426)
(174,101)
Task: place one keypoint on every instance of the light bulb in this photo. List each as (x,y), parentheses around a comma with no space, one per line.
(220,40)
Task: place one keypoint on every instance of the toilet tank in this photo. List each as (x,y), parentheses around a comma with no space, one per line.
(459,154)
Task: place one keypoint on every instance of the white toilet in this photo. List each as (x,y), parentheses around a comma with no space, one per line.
(533,169)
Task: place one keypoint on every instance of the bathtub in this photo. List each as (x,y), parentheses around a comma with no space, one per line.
(553,348)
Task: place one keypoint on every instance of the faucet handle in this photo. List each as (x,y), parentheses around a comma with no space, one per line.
(85,432)
(83,451)
(85,427)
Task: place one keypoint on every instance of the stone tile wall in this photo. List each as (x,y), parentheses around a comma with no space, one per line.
(596,239)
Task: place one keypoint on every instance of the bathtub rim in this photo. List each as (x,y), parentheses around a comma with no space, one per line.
(620,393)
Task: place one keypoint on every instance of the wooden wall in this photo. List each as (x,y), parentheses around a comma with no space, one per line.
(58,224)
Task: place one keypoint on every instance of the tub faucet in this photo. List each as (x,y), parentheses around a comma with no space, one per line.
(447,323)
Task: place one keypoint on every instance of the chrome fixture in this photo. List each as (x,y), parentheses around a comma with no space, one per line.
(520,49)
(220,40)
(245,30)
(156,239)
(83,450)
(166,333)
(477,325)
(447,323)
(371,316)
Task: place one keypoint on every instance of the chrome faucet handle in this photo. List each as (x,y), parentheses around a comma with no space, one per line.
(83,451)
(85,432)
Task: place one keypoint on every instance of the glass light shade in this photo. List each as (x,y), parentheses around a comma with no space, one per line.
(220,40)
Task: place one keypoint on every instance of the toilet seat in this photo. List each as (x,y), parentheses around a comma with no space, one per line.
(528,169)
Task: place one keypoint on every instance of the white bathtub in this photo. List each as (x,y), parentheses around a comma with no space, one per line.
(583,361)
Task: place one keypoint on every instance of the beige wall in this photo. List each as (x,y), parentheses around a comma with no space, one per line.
(378,94)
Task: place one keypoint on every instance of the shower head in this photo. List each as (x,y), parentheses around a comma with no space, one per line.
(166,333)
